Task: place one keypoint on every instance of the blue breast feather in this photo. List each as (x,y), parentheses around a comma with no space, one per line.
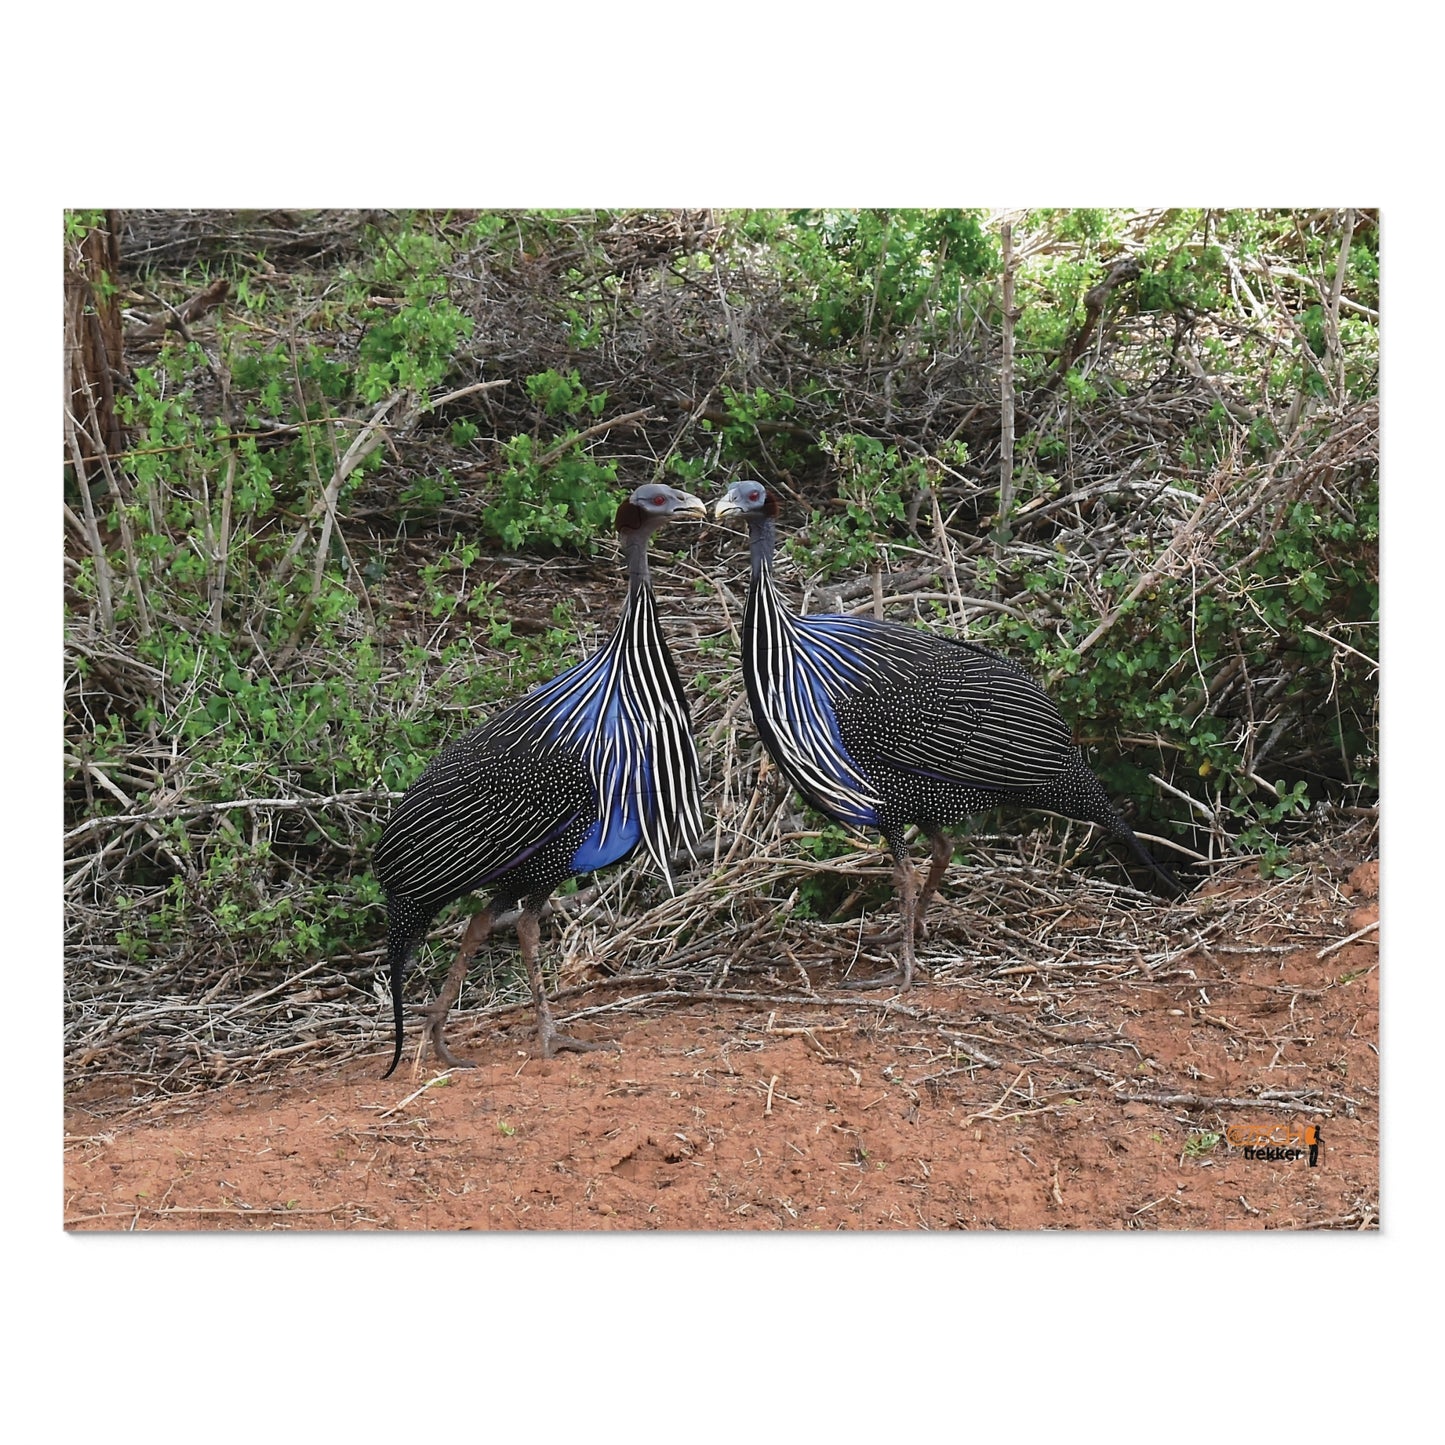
(619,830)
(583,708)
(826,665)
(601,847)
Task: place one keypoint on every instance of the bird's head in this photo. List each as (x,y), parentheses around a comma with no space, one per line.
(746,499)
(652,505)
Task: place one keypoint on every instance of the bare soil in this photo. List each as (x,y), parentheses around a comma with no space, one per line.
(1016,1099)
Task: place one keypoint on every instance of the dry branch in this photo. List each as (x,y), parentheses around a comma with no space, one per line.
(1118,501)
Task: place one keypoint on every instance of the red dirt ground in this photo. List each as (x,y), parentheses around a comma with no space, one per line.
(949,1107)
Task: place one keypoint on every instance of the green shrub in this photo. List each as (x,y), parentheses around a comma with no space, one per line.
(247,669)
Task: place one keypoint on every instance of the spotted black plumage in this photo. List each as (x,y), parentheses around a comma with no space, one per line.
(568,778)
(879,725)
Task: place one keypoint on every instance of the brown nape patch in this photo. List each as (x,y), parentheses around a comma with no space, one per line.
(770,506)
(629,517)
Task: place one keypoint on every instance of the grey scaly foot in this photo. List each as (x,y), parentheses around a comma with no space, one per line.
(554,1043)
(899,980)
(435,1016)
(557,1043)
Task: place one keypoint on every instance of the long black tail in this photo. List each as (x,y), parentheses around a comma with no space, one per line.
(399,944)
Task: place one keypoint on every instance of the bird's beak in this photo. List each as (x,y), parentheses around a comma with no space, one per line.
(727,507)
(690,506)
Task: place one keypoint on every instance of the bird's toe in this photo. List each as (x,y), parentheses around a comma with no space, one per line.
(445,1055)
(434,1018)
(898,981)
(555,1044)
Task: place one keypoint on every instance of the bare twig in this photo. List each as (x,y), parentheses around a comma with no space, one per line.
(1358,933)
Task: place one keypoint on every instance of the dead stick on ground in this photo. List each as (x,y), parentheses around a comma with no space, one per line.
(439,1079)
(1335,641)
(217,1209)
(200,810)
(90,529)
(1001,1100)
(1358,933)
(1199,1101)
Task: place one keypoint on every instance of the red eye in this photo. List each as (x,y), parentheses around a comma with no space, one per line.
(658,501)
(754,495)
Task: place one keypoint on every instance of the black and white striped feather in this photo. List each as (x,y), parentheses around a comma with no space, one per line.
(606,744)
(837,696)
(881,725)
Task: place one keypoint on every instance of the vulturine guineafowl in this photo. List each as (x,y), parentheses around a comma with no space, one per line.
(879,725)
(570,777)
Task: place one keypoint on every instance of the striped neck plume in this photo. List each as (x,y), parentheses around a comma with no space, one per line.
(642,755)
(623,710)
(794,671)
(640,749)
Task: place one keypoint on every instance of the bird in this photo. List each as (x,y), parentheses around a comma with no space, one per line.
(570,777)
(880,725)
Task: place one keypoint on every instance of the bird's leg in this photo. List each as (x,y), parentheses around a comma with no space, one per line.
(905,883)
(942,857)
(529,933)
(905,880)
(435,1013)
